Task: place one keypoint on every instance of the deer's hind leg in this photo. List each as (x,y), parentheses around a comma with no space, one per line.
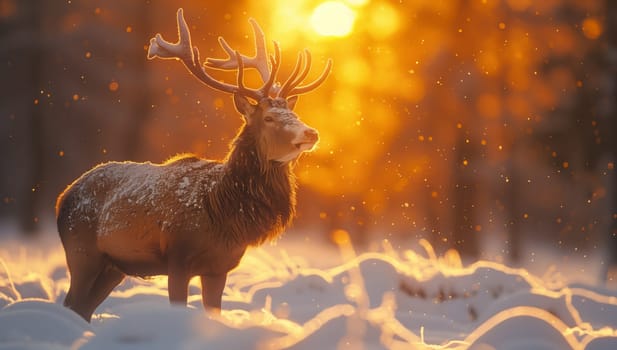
(84,269)
(86,265)
(105,282)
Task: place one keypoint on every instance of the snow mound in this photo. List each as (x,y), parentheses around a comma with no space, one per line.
(36,324)
(377,300)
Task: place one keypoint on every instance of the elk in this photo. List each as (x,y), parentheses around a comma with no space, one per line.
(191,217)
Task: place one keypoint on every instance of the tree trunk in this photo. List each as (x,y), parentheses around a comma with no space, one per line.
(29,193)
(609,139)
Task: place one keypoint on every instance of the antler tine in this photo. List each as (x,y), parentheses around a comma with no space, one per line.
(287,86)
(275,62)
(228,63)
(189,55)
(259,61)
(315,84)
(240,70)
(243,90)
(305,71)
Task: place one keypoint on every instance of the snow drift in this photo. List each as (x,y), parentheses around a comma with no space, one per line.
(378,300)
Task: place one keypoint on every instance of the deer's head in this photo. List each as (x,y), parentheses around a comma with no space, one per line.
(268,110)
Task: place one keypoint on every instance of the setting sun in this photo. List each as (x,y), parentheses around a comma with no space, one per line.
(333,18)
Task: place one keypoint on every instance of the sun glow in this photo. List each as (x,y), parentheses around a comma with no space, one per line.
(333,18)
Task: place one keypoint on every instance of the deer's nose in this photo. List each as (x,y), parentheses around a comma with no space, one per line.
(311,135)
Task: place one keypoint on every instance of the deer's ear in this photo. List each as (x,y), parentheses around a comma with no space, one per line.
(291,102)
(244,106)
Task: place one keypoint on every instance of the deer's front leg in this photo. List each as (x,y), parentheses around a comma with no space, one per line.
(178,283)
(212,291)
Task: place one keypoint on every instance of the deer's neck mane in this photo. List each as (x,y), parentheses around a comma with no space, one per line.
(256,198)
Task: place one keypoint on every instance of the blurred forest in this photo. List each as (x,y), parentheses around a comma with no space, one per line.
(458,121)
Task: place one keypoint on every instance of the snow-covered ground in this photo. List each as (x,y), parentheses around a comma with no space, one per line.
(312,296)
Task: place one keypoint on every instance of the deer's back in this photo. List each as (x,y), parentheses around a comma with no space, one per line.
(133,210)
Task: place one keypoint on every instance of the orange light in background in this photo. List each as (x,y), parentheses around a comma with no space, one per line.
(8,8)
(519,106)
(561,39)
(519,5)
(356,71)
(489,105)
(384,20)
(414,90)
(340,237)
(113,86)
(592,28)
(333,18)
(488,62)
(357,3)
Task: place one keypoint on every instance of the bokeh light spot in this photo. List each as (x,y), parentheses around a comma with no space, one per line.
(384,20)
(592,28)
(113,86)
(333,18)
(340,237)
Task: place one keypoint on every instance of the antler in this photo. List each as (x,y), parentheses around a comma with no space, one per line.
(189,55)
(259,61)
(291,88)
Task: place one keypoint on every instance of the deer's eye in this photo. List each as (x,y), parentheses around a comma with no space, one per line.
(268,119)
